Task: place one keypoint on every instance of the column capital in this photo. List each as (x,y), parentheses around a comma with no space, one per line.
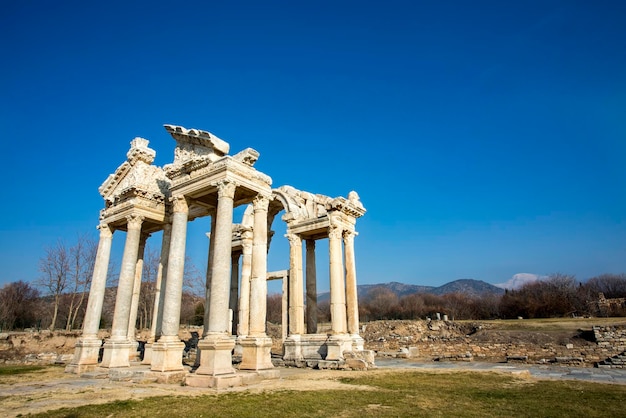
(180,204)
(226,188)
(261,203)
(105,230)
(335,231)
(348,235)
(134,221)
(294,239)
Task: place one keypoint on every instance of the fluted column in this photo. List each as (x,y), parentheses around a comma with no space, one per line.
(311,288)
(220,276)
(161,283)
(234,290)
(296,289)
(244,294)
(159,295)
(257,346)
(93,314)
(352,303)
(209,272)
(258,282)
(134,305)
(88,346)
(216,345)
(117,348)
(167,351)
(337,285)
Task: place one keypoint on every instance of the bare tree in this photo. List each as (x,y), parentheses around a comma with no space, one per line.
(18,305)
(55,269)
(82,258)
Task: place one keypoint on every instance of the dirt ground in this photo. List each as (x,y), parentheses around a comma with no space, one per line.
(53,389)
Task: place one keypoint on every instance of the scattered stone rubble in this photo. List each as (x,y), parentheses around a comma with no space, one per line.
(418,340)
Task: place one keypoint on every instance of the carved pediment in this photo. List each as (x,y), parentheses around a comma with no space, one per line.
(136,176)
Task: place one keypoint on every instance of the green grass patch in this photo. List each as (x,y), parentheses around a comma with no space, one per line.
(406,394)
(13,370)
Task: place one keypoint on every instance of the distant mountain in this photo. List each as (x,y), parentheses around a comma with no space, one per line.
(466,286)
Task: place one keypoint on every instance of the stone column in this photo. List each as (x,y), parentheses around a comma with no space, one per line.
(257,346)
(234,290)
(216,345)
(167,351)
(293,343)
(117,348)
(337,286)
(159,294)
(134,304)
(352,301)
(296,289)
(209,273)
(311,288)
(246,272)
(88,346)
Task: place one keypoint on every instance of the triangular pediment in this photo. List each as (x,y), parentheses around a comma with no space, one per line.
(135,176)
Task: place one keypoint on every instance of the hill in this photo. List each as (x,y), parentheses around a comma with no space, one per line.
(466,286)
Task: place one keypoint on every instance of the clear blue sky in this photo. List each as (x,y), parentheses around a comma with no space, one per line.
(485,138)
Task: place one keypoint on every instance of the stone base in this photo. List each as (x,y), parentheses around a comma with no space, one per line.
(358,343)
(167,356)
(216,355)
(256,353)
(293,351)
(217,382)
(336,345)
(116,354)
(137,374)
(231,380)
(147,354)
(86,356)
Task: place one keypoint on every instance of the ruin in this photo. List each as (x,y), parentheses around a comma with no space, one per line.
(204,180)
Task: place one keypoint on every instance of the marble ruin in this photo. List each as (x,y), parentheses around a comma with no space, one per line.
(204,180)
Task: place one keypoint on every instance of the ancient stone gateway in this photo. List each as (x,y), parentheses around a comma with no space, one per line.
(204,180)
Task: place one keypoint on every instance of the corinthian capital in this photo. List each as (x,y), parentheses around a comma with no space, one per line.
(261,202)
(294,239)
(105,230)
(180,204)
(335,231)
(226,189)
(134,221)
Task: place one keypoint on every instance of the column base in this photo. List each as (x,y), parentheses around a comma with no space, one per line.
(257,353)
(147,353)
(293,351)
(336,345)
(216,355)
(357,342)
(86,356)
(167,356)
(116,354)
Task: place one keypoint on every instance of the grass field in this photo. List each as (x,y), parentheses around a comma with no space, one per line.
(385,393)
(549,324)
